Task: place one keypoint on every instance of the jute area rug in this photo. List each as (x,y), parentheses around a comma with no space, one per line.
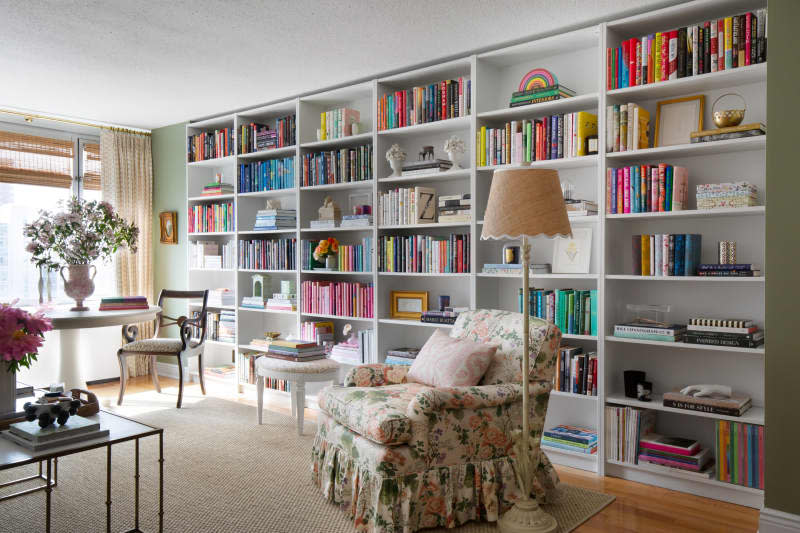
(223,473)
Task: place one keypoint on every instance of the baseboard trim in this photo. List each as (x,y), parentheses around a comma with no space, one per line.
(102,381)
(774,521)
(168,370)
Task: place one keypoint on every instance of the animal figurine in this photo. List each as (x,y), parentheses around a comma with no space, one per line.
(49,410)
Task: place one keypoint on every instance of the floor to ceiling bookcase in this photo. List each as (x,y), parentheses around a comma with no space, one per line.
(578,59)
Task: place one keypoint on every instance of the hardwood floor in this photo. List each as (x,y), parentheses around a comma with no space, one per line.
(638,507)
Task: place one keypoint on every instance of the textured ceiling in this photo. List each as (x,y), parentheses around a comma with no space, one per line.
(151,63)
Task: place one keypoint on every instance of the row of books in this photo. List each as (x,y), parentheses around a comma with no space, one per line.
(268,254)
(317,331)
(337,123)
(123,303)
(424,253)
(726,195)
(710,46)
(220,326)
(338,298)
(574,311)
(257,137)
(576,372)
(407,205)
(627,128)
(647,189)
(419,105)
(226,371)
(210,145)
(268,175)
(355,351)
(572,438)
(212,255)
(214,217)
(217,188)
(454,208)
(401,356)
(552,137)
(247,373)
(272,219)
(337,166)
(665,254)
(740,453)
(351,257)
(448,316)
(624,427)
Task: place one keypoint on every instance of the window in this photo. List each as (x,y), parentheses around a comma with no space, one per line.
(36,172)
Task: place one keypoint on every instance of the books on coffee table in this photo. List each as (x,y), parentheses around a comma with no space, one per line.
(32,437)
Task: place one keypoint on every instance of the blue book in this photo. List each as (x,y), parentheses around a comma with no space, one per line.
(593,303)
(680,246)
(558,445)
(691,254)
(668,188)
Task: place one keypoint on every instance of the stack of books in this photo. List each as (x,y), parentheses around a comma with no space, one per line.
(215,188)
(624,428)
(573,311)
(401,356)
(740,453)
(448,316)
(717,404)
(647,189)
(123,303)
(723,195)
(666,254)
(627,128)
(356,221)
(716,270)
(426,167)
(540,94)
(733,132)
(650,331)
(724,332)
(337,123)
(253,302)
(271,219)
(212,255)
(282,302)
(227,371)
(515,269)
(221,298)
(297,351)
(580,208)
(576,372)
(455,208)
(32,437)
(572,438)
(676,453)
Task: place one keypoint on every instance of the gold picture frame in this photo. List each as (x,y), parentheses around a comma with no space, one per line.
(409,304)
(680,117)
(169,227)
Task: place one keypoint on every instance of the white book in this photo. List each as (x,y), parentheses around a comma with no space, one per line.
(645,57)
(694,51)
(714,56)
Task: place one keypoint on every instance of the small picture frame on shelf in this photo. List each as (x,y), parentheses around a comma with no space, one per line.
(677,118)
(169,227)
(572,255)
(409,304)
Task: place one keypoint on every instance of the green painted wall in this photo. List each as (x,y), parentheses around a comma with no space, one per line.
(169,194)
(782,260)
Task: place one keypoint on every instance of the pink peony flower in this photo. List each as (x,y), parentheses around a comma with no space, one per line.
(21,335)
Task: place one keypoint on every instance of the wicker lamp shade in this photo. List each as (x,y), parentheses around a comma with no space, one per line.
(525,202)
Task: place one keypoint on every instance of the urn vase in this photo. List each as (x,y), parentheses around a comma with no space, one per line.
(80,284)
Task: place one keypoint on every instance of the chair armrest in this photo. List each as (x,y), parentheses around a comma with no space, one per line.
(432,401)
(376,375)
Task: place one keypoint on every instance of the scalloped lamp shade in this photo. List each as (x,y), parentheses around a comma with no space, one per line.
(525,202)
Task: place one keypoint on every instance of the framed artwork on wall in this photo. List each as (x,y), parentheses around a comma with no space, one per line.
(409,304)
(169,227)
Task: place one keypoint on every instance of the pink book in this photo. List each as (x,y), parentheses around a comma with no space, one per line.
(626,190)
(760,457)
(620,208)
(667,462)
(748,37)
(680,188)
(665,255)
(654,189)
(678,445)
(609,208)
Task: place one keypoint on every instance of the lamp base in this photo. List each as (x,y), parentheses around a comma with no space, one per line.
(527,517)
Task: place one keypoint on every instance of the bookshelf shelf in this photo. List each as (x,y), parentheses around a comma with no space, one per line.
(217,162)
(563,163)
(352,140)
(754,415)
(212,269)
(211,234)
(578,102)
(645,467)
(225,307)
(687,346)
(222,344)
(694,213)
(702,83)
(338,186)
(403,322)
(577,57)
(690,150)
(269,154)
(572,395)
(268,311)
(438,126)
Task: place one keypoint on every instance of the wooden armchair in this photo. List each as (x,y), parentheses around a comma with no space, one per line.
(182,348)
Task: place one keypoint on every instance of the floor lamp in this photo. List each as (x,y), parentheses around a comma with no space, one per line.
(525,202)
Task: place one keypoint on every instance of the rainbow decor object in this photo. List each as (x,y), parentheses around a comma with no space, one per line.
(537,79)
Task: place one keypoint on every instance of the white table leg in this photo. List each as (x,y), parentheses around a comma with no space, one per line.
(300,401)
(260,394)
(293,397)
(69,369)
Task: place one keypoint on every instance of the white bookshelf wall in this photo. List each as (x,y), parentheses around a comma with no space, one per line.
(578,60)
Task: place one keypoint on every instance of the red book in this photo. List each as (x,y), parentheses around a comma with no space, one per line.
(721,44)
(443,114)
(609,71)
(632,44)
(662,185)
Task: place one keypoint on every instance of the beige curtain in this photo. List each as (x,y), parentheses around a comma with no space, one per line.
(127,183)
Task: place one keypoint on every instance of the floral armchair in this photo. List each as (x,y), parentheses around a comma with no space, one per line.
(402,456)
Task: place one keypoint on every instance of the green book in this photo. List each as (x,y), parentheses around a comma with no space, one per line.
(593,303)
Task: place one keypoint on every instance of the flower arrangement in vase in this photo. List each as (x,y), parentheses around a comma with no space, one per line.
(326,251)
(454,147)
(395,156)
(21,336)
(73,238)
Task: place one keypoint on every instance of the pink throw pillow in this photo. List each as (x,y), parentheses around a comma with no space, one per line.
(448,362)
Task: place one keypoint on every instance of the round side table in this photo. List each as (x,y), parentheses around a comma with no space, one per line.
(297,374)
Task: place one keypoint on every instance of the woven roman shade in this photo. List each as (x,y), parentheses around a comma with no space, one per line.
(34,160)
(91,166)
